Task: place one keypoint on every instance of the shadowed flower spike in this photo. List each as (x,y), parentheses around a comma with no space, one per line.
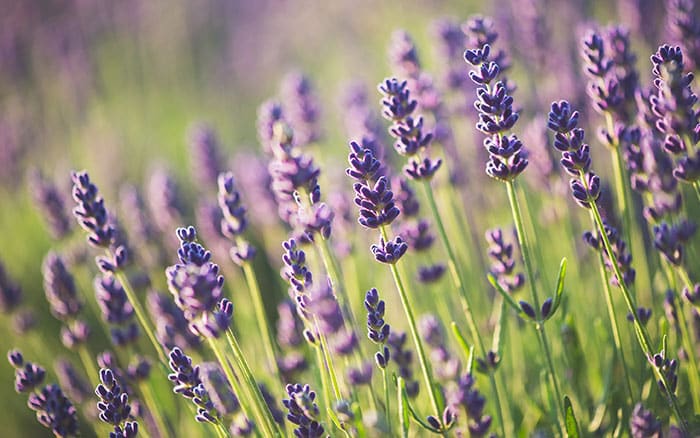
(59,287)
(10,292)
(234,222)
(49,200)
(205,155)
(90,211)
(303,411)
(389,252)
(54,411)
(643,423)
(114,406)
(377,329)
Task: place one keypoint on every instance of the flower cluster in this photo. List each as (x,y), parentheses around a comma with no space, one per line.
(234,222)
(507,158)
(378,330)
(619,247)
(303,411)
(575,154)
(503,265)
(466,396)
(114,407)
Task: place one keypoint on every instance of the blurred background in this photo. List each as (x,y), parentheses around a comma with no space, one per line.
(115,87)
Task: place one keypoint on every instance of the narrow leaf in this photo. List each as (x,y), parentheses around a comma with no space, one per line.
(505,294)
(560,287)
(572,429)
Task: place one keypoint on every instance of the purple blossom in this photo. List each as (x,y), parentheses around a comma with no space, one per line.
(389,252)
(303,411)
(114,405)
(205,155)
(302,108)
(116,309)
(28,376)
(70,378)
(54,411)
(59,287)
(10,292)
(90,211)
(403,358)
(503,265)
(49,200)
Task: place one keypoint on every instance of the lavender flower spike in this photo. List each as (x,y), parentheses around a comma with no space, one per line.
(303,411)
(91,212)
(114,406)
(59,287)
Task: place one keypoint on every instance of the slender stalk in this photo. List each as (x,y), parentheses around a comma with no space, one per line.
(541,333)
(141,315)
(88,364)
(464,297)
(408,310)
(253,386)
(161,427)
(232,379)
(387,410)
(617,340)
(329,364)
(259,309)
(640,330)
(693,373)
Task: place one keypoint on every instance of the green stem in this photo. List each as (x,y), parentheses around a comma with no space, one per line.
(253,386)
(459,283)
(693,373)
(640,330)
(232,379)
(408,310)
(541,333)
(617,340)
(161,427)
(88,364)
(387,410)
(141,314)
(259,309)
(329,364)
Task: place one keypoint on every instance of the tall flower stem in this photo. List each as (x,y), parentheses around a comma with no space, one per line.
(457,280)
(161,427)
(252,384)
(640,330)
(408,310)
(259,309)
(88,364)
(541,333)
(693,373)
(387,410)
(234,382)
(613,322)
(328,358)
(141,315)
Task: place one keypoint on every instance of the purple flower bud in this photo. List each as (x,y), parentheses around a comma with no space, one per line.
(59,287)
(389,252)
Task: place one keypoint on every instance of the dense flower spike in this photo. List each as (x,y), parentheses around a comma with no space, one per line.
(164,201)
(303,411)
(70,378)
(389,252)
(683,27)
(568,139)
(234,222)
(54,411)
(643,423)
(507,158)
(114,406)
(411,140)
(171,326)
(674,108)
(27,375)
(90,211)
(378,330)
(376,203)
(503,263)
(116,310)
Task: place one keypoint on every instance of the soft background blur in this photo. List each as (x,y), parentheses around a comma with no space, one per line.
(113,86)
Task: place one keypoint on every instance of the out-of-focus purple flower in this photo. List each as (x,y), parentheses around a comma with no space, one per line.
(218,388)
(643,314)
(10,292)
(59,287)
(619,247)
(431,273)
(255,182)
(49,200)
(378,330)
(205,153)
(70,378)
(361,121)
(28,376)
(163,201)
(403,55)
(403,358)
(77,332)
(417,234)
(303,411)
(503,265)
(466,396)
(683,28)
(669,240)
(90,211)
(171,326)
(24,321)
(668,368)
(446,366)
(114,405)
(116,309)
(673,105)
(301,107)
(451,44)
(269,113)
(643,423)
(54,411)
(138,370)
(140,225)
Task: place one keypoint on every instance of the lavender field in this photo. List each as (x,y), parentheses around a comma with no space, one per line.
(350,219)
